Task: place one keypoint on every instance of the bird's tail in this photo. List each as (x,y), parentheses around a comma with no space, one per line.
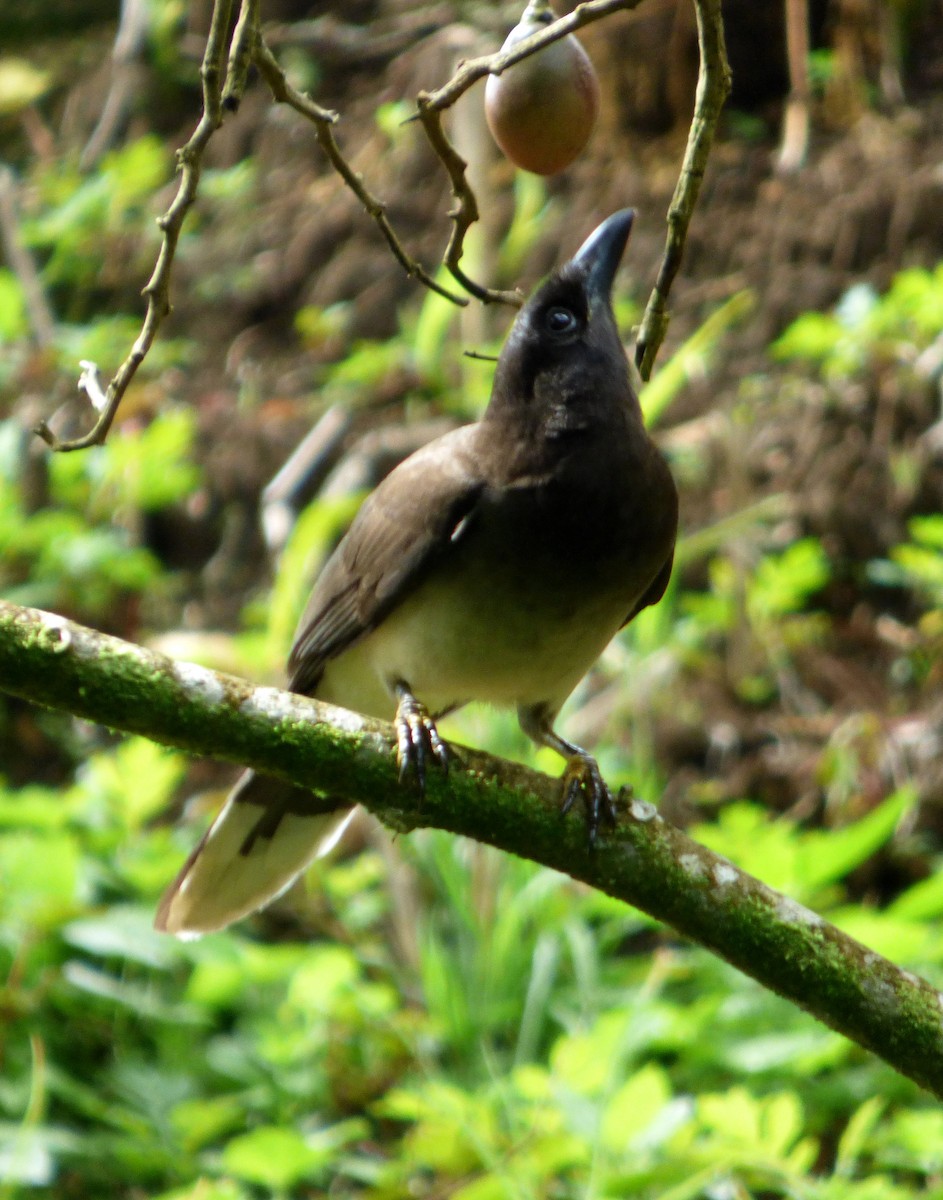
(262,840)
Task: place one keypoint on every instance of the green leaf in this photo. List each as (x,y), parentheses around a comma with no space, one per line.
(634,1107)
(207,1189)
(487,1187)
(125,933)
(911,1140)
(888,934)
(856,1139)
(927,530)
(797,862)
(783,583)
(199,1122)
(40,878)
(585,1061)
(812,336)
(327,973)
(275,1158)
(134,782)
(531,211)
(137,995)
(782,1122)
(318,527)
(828,856)
(922,901)
(21,85)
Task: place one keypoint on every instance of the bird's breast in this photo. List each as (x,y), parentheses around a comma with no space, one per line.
(464,636)
(520,606)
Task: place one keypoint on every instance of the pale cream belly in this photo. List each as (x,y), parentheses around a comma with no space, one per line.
(451,644)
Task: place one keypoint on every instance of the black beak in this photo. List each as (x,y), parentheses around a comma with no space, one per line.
(599,256)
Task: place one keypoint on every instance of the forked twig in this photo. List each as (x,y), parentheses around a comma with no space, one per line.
(229,58)
(157,289)
(323,119)
(21,262)
(464,214)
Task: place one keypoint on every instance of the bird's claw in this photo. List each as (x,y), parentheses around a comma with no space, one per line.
(417,740)
(583,777)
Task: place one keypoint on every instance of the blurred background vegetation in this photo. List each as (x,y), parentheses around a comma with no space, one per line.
(428,1018)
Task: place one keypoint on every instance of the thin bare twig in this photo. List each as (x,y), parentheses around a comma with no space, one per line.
(713,86)
(323,119)
(465,212)
(129,40)
(157,289)
(241,48)
(332,40)
(473,69)
(794,145)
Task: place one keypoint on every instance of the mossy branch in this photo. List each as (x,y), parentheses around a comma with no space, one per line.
(643,861)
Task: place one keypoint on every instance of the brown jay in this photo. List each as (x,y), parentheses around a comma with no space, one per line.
(494,565)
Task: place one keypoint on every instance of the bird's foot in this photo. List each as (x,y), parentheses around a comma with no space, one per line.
(582,777)
(417,739)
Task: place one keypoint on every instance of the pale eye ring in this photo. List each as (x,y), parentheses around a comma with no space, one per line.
(559,319)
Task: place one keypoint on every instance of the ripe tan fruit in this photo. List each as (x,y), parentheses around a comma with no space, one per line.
(542,110)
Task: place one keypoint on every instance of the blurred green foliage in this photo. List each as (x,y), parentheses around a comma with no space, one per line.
(454,1020)
(74,208)
(868,327)
(78,553)
(917,563)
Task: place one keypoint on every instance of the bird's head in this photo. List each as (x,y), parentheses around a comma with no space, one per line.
(563,360)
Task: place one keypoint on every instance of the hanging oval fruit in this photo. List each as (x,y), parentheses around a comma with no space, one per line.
(542,110)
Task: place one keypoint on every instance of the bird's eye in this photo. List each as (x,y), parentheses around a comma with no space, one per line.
(560,320)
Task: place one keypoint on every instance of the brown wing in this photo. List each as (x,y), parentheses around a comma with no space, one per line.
(405,526)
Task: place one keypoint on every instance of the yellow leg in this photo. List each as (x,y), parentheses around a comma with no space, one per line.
(417,739)
(581,777)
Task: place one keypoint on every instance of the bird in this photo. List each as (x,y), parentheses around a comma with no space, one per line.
(494,564)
